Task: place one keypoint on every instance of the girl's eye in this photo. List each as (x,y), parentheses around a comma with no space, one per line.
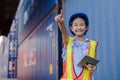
(75,25)
(81,24)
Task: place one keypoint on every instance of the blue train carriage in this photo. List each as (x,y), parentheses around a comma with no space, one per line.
(39,40)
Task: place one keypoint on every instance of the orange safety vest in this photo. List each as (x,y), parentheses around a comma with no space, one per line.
(69,73)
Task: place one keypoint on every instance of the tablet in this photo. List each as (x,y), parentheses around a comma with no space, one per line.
(88,60)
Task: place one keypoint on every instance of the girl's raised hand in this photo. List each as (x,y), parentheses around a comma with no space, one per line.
(59,18)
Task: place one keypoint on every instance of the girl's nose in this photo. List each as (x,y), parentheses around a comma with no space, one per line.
(79,27)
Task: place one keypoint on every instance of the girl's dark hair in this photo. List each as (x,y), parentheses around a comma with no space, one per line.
(80,15)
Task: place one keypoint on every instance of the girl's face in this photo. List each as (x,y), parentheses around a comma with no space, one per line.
(79,27)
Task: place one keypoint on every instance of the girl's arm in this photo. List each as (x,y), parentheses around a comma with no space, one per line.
(60,21)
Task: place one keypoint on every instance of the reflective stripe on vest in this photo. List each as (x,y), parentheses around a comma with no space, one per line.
(69,72)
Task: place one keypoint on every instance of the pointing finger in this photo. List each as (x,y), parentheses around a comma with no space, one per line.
(61,13)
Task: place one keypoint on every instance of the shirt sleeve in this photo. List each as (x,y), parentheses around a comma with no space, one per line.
(64,53)
(64,50)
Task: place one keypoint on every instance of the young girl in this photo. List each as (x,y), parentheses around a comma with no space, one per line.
(75,48)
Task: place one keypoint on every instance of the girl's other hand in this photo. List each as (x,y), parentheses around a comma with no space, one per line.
(91,67)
